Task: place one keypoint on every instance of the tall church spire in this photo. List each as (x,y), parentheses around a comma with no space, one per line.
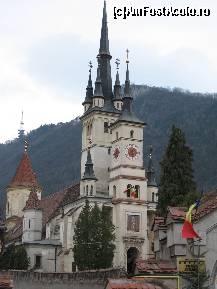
(105,57)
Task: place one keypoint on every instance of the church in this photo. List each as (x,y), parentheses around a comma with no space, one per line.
(112,174)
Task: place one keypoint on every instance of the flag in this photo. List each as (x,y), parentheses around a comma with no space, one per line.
(188,231)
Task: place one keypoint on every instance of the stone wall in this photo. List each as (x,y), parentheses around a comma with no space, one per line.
(76,280)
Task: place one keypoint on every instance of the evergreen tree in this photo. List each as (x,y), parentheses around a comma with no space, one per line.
(108,238)
(196,281)
(82,239)
(177,186)
(14,257)
(96,236)
(93,239)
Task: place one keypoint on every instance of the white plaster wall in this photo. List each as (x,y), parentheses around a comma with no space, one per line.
(120,220)
(47,253)
(35,231)
(17,197)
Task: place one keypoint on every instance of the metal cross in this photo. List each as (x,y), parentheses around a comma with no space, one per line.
(127,55)
(117,62)
(26,145)
(91,66)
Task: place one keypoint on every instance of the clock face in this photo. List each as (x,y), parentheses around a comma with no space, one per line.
(132,152)
(116,153)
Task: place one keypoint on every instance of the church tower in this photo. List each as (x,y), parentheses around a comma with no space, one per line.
(112,168)
(99,113)
(127,184)
(19,189)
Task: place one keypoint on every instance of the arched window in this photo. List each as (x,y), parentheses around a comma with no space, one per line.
(116,135)
(109,151)
(87,190)
(91,190)
(106,127)
(29,224)
(114,191)
(84,190)
(137,189)
(131,133)
(152,197)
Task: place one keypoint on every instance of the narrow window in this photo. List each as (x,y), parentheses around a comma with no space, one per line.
(87,190)
(131,133)
(114,191)
(109,151)
(106,127)
(153,197)
(98,102)
(116,135)
(129,186)
(137,189)
(84,190)
(91,190)
(29,224)
(37,262)
(118,105)
(8,207)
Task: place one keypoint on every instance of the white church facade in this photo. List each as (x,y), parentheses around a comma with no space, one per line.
(112,173)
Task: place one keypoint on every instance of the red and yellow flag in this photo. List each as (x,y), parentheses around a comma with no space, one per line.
(188,231)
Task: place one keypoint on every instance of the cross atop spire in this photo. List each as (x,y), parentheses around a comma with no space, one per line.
(21,131)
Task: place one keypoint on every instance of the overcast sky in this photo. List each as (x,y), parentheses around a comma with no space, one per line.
(45,47)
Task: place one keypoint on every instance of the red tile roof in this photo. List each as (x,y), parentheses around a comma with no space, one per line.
(50,206)
(155,266)
(24,175)
(159,222)
(208,205)
(6,282)
(130,284)
(33,202)
(177,213)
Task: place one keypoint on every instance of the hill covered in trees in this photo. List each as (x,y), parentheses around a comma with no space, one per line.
(55,149)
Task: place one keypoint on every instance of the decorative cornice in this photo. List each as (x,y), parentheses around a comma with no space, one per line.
(128,178)
(116,201)
(126,166)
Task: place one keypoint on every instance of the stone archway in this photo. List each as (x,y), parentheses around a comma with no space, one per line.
(132,255)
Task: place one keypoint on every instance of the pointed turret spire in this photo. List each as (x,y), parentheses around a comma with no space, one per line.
(117,86)
(98,83)
(89,171)
(105,57)
(21,131)
(150,171)
(89,89)
(33,202)
(128,114)
(24,176)
(104,41)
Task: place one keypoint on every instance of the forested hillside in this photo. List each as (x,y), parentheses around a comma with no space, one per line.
(55,149)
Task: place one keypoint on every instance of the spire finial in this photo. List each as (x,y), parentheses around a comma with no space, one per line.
(117,62)
(150,151)
(26,145)
(21,131)
(91,66)
(127,51)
